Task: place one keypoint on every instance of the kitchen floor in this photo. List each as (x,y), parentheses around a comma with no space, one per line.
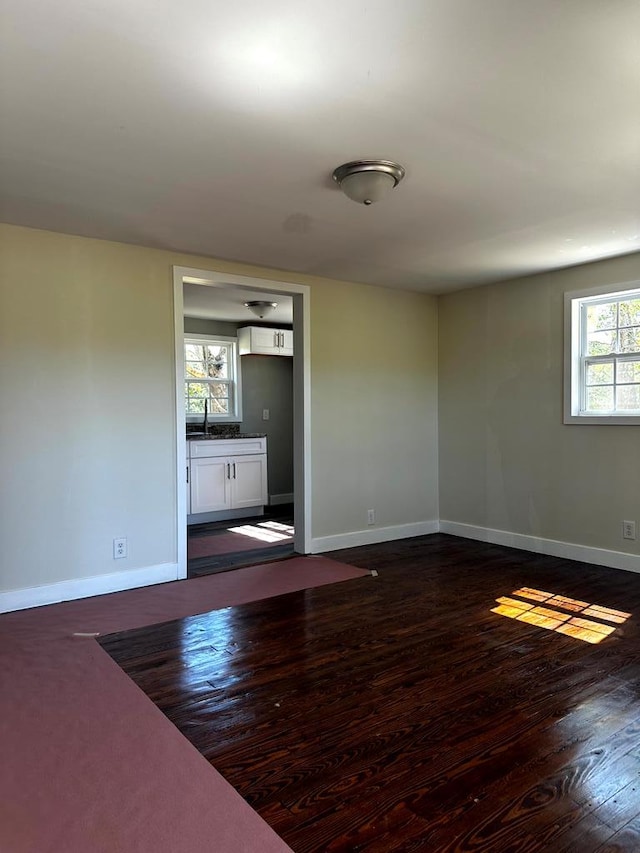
(219,546)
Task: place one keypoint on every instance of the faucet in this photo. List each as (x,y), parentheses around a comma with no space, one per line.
(205,426)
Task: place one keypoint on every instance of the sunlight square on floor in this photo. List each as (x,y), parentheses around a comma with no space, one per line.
(264,531)
(578,627)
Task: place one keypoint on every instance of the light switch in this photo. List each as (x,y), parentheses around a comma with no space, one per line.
(265,414)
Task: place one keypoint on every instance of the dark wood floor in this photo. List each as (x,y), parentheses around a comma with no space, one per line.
(399,713)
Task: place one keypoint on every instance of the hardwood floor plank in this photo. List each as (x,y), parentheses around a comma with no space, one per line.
(626,840)
(588,834)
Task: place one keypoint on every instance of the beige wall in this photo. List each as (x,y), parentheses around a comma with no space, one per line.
(374,407)
(88,451)
(507,461)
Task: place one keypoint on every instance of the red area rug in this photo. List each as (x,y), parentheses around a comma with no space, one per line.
(88,762)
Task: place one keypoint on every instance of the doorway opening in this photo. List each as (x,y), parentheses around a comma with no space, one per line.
(242,421)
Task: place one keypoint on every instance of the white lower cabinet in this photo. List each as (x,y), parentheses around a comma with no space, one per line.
(221,482)
(210,485)
(249,482)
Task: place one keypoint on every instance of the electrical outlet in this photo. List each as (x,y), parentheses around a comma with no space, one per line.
(628,530)
(371,516)
(265,414)
(120,548)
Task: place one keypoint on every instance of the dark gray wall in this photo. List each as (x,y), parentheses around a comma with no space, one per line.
(195,326)
(267,383)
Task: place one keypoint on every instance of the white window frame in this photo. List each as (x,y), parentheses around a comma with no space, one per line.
(234,379)
(575,357)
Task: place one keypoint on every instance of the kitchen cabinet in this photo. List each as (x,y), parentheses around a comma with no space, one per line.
(227,474)
(259,340)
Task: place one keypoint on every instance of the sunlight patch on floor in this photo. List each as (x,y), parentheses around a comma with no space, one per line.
(265,531)
(278,526)
(563,623)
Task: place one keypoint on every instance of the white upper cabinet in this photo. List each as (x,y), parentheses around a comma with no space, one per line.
(259,340)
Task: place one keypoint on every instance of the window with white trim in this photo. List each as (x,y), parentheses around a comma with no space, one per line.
(212,376)
(602,371)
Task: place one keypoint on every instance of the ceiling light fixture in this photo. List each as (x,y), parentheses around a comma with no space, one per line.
(260,309)
(366,181)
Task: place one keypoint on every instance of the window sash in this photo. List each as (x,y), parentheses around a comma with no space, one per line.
(615,384)
(211,398)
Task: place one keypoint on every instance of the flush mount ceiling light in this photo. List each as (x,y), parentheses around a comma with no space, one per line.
(366,181)
(260,309)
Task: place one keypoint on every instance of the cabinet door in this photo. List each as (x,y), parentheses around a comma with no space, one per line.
(210,484)
(249,480)
(286,342)
(264,340)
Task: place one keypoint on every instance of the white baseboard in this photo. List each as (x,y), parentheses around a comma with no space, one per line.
(372,535)
(36,596)
(286,498)
(552,547)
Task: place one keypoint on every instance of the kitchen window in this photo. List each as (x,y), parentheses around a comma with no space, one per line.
(602,357)
(212,376)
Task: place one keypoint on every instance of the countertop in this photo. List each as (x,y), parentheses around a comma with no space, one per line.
(225,436)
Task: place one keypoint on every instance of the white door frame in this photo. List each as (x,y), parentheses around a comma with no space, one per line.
(301,396)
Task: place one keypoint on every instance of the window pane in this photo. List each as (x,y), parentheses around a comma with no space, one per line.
(630,313)
(600,399)
(601,316)
(216,393)
(219,389)
(217,360)
(628,371)
(217,370)
(630,340)
(193,352)
(628,397)
(220,353)
(216,405)
(197,389)
(195,370)
(207,389)
(601,343)
(195,407)
(600,374)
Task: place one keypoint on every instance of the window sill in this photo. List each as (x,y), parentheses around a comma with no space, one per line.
(603,420)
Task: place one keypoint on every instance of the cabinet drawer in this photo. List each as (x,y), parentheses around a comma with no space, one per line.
(227,447)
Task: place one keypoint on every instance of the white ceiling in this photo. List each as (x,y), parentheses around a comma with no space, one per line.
(227,303)
(213,127)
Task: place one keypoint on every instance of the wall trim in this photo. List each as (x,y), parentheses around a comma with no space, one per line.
(372,535)
(286,498)
(37,596)
(552,547)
